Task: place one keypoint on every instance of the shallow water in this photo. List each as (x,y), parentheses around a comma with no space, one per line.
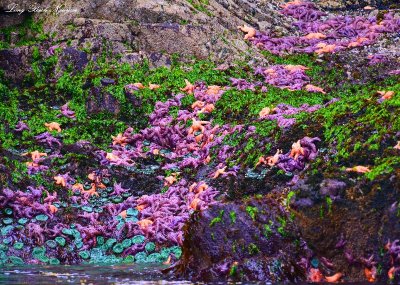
(85,275)
(88,274)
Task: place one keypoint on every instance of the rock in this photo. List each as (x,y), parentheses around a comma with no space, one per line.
(242,242)
(332,188)
(15,63)
(100,101)
(71,56)
(107,81)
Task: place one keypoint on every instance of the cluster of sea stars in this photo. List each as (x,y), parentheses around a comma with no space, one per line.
(302,151)
(110,211)
(324,35)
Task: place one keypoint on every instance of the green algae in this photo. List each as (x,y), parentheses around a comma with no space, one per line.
(177,251)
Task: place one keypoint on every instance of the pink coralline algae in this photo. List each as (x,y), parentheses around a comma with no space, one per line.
(326,34)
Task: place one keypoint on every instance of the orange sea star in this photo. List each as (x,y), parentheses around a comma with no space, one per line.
(297,150)
(53,126)
(189,88)
(250,32)
(359,169)
(119,139)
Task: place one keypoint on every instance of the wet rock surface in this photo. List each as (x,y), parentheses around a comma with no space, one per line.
(255,240)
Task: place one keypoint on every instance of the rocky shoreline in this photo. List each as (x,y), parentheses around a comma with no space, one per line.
(228,140)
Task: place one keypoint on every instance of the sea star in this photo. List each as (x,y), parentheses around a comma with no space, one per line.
(169,180)
(325,48)
(250,32)
(189,88)
(290,3)
(213,90)
(138,85)
(35,154)
(123,214)
(144,224)
(370,274)
(392,272)
(21,126)
(53,126)
(53,209)
(294,68)
(312,88)
(315,36)
(359,169)
(197,126)
(60,180)
(297,150)
(386,94)
(112,157)
(272,160)
(264,112)
(78,186)
(334,278)
(67,112)
(208,108)
(219,172)
(198,104)
(153,86)
(119,139)
(195,202)
(357,43)
(315,275)
(91,191)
